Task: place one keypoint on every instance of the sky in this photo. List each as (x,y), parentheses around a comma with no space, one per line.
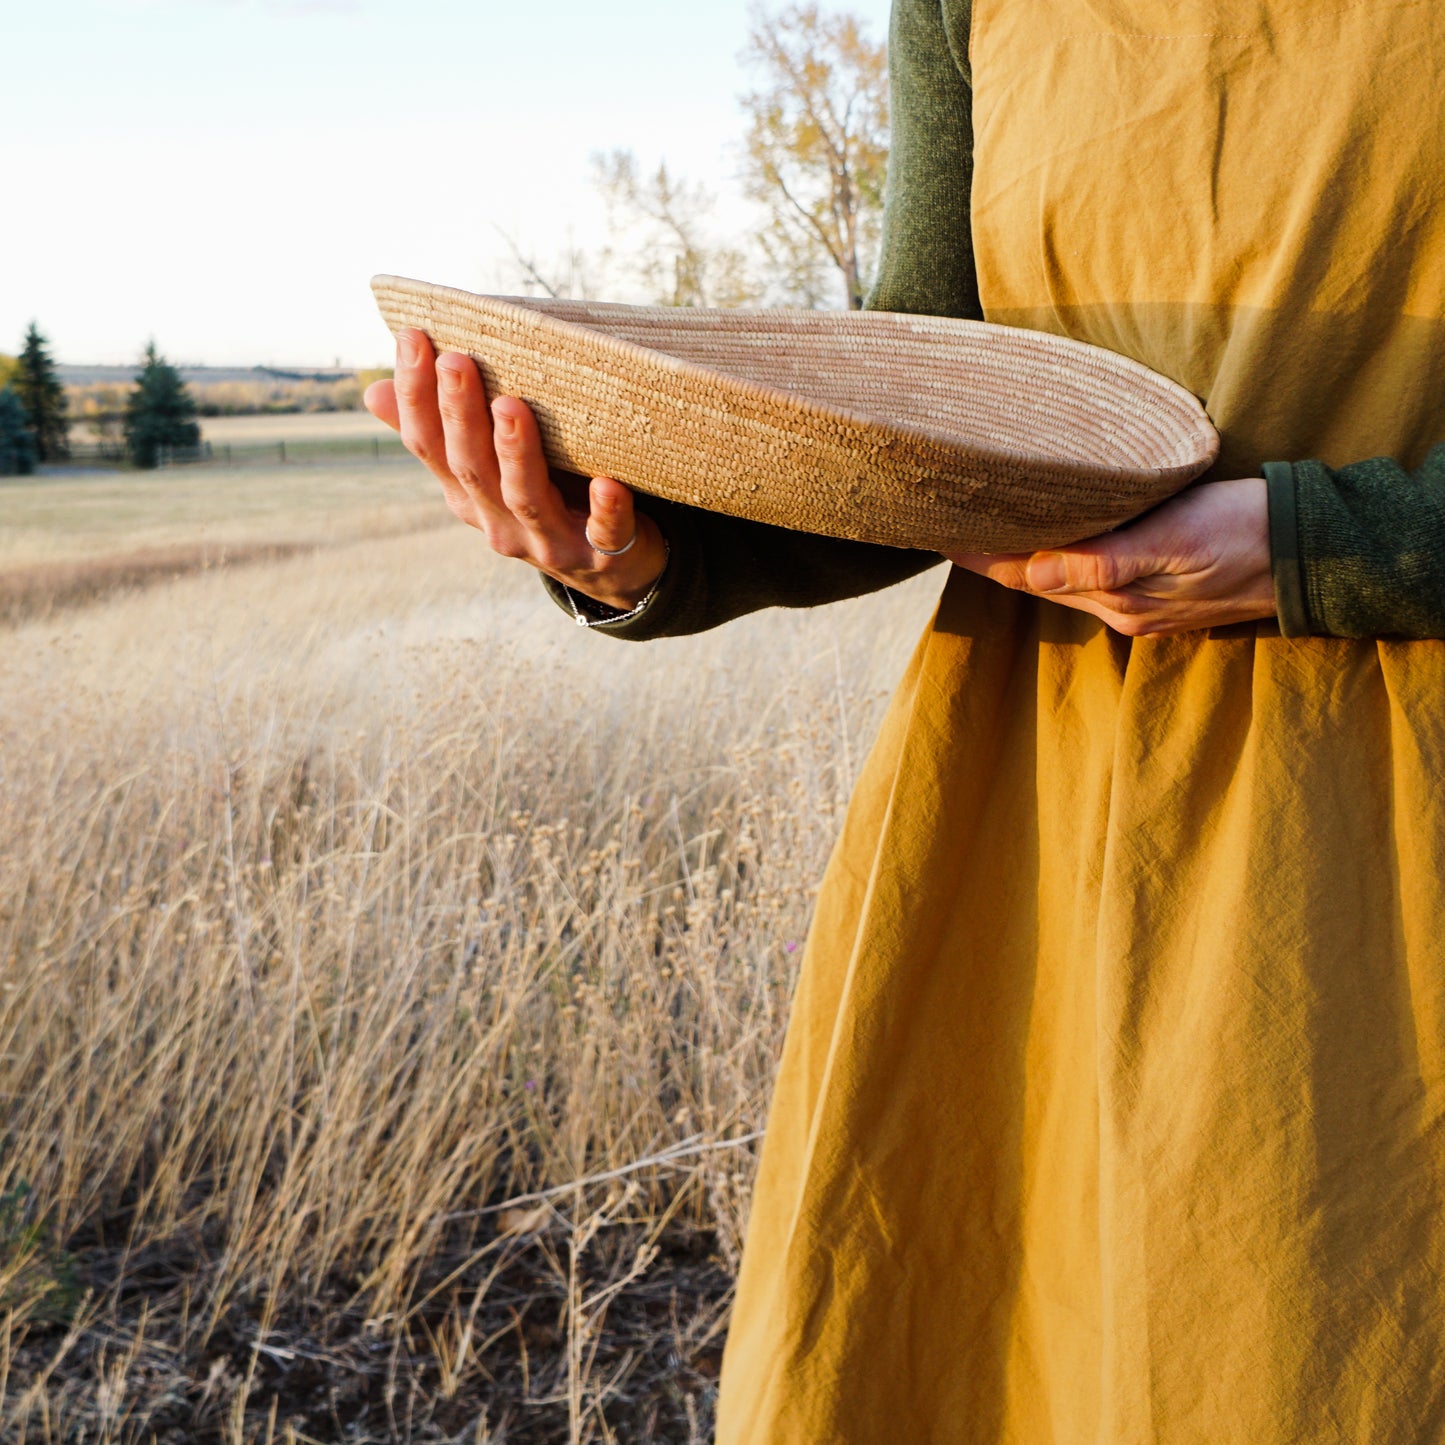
(226,175)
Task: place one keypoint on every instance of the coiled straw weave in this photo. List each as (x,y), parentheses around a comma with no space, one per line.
(916,431)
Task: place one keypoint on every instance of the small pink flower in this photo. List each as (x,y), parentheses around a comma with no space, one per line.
(531,1083)
(791,946)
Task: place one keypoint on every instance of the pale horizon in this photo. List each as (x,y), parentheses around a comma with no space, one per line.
(225,176)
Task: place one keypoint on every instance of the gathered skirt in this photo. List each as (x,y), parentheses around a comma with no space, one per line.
(1111,1104)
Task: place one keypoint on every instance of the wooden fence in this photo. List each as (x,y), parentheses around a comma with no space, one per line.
(303,451)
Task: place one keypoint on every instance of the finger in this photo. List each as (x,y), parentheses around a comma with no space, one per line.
(471,452)
(1104,564)
(1013,570)
(612,520)
(1006,568)
(1135,615)
(380,400)
(526,485)
(1123,613)
(416,396)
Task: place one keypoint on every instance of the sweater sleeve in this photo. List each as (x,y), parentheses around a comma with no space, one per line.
(722,567)
(1359,551)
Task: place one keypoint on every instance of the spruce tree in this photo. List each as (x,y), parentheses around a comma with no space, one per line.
(43,398)
(160,413)
(17,447)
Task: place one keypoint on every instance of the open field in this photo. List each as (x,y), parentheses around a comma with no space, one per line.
(101,513)
(347,437)
(71,536)
(354,907)
(302,426)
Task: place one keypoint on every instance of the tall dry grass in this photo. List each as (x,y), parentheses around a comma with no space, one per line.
(392,982)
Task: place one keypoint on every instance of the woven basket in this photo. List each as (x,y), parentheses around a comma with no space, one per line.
(917,431)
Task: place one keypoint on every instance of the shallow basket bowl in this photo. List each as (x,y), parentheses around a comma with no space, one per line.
(915,431)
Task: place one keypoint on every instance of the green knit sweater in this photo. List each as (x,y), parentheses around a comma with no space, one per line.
(1357,552)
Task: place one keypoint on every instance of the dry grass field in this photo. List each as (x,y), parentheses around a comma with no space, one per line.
(74,535)
(391,973)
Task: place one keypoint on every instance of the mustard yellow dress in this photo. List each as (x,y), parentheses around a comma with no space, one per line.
(1111,1107)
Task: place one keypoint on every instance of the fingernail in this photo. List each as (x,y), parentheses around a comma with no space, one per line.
(408,350)
(506,424)
(1046,573)
(450,378)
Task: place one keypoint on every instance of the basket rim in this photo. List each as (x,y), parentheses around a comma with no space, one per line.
(533,311)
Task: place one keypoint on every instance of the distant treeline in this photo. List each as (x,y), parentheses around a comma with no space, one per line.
(143,416)
(99,403)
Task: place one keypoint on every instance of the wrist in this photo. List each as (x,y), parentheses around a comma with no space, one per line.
(628,576)
(591,611)
(618,598)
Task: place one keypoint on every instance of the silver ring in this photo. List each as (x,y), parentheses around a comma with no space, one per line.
(603,551)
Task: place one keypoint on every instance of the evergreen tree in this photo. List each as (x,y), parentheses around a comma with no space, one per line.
(161,412)
(43,398)
(17,447)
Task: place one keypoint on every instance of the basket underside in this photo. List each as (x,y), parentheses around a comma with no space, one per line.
(924,432)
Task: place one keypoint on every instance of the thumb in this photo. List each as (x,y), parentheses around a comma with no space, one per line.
(380,401)
(1102,564)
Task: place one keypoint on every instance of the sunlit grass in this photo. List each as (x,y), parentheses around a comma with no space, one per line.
(97,513)
(351,902)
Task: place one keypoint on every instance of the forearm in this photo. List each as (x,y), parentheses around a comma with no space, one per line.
(1359,551)
(722,567)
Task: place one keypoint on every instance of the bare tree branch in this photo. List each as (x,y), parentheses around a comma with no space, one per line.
(668,221)
(527,265)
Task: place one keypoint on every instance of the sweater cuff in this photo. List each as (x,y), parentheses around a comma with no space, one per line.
(1284,550)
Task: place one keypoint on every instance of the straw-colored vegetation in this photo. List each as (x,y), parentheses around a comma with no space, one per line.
(74,537)
(353,908)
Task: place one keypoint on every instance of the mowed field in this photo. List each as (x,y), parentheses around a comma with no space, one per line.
(393,973)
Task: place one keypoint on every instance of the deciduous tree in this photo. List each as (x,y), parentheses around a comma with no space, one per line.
(160,414)
(676,258)
(573,274)
(43,398)
(817,147)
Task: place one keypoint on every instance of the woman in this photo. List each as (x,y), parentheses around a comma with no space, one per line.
(1111,1106)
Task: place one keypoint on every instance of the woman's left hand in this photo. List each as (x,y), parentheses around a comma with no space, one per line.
(1199,560)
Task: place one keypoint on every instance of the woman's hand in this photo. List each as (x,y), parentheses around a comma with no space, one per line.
(495,477)
(1200,560)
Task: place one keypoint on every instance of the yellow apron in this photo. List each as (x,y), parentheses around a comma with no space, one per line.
(1111,1107)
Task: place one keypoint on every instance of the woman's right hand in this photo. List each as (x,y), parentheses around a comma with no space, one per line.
(495,478)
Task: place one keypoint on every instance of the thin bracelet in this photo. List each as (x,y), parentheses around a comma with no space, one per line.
(583,621)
